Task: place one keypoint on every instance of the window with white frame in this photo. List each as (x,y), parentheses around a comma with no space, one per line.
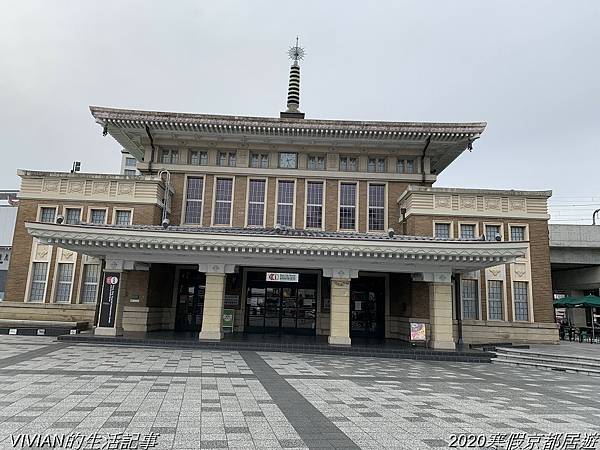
(376,165)
(348,206)
(130,162)
(376,207)
(257,190)
(37,288)
(227,159)
(495,300)
(469,299)
(285,203)
(348,164)
(259,160)
(521,300)
(169,156)
(405,165)
(442,230)
(316,162)
(198,158)
(73,215)
(98,216)
(48,214)
(122,217)
(130,172)
(314,204)
(90,281)
(467,231)
(193,200)
(223,198)
(517,233)
(64,281)
(491,231)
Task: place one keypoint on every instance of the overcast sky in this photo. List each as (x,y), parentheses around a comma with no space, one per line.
(528,68)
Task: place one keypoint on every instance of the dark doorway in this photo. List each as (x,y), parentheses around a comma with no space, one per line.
(367,307)
(282,308)
(190,300)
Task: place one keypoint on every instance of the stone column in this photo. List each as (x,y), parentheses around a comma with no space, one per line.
(339,329)
(440,312)
(214,296)
(110,315)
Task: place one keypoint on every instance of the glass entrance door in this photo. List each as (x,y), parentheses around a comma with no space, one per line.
(367,297)
(190,300)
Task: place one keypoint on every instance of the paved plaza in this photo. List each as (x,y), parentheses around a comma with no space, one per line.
(107,396)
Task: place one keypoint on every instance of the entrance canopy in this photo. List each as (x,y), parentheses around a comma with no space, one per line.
(278,248)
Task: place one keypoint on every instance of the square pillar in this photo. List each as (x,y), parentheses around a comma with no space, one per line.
(339,330)
(212,316)
(110,314)
(440,315)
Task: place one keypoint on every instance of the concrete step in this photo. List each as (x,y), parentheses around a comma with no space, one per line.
(547,366)
(549,361)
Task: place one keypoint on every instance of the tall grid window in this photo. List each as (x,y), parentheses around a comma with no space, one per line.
(285,203)
(90,281)
(314,204)
(122,217)
(521,299)
(348,164)
(198,158)
(376,207)
(491,231)
(405,166)
(376,165)
(193,200)
(64,276)
(226,159)
(223,196)
(348,206)
(98,216)
(38,281)
(467,231)
(495,300)
(73,215)
(259,160)
(470,300)
(517,233)
(169,156)
(48,215)
(316,162)
(256,203)
(442,230)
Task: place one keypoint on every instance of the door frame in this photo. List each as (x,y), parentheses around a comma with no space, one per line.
(385,303)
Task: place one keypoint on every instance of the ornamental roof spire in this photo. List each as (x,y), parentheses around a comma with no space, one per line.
(296,53)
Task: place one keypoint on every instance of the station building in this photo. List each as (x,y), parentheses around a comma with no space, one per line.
(299,226)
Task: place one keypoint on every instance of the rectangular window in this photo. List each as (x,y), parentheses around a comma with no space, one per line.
(64,276)
(38,281)
(521,299)
(223,197)
(48,215)
(467,231)
(348,206)
(193,200)
(122,217)
(348,164)
(285,203)
(198,158)
(259,160)
(316,162)
(405,166)
(376,207)
(130,172)
(256,203)
(130,162)
(169,156)
(517,233)
(442,230)
(314,204)
(495,299)
(491,231)
(376,165)
(98,216)
(90,281)
(227,159)
(73,216)
(470,300)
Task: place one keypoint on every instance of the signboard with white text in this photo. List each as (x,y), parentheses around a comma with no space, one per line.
(282,277)
(110,294)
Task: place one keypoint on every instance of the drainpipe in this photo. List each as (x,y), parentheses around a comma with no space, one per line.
(457,307)
(153,150)
(427,142)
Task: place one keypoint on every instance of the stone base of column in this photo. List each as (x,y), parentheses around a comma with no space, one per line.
(108,331)
(339,340)
(443,345)
(210,336)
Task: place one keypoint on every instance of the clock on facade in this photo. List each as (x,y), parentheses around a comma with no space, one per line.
(288,160)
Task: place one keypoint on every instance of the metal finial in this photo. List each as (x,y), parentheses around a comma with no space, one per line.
(296,53)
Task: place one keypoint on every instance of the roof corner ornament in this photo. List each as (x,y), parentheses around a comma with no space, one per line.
(105,130)
(296,53)
(471,140)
